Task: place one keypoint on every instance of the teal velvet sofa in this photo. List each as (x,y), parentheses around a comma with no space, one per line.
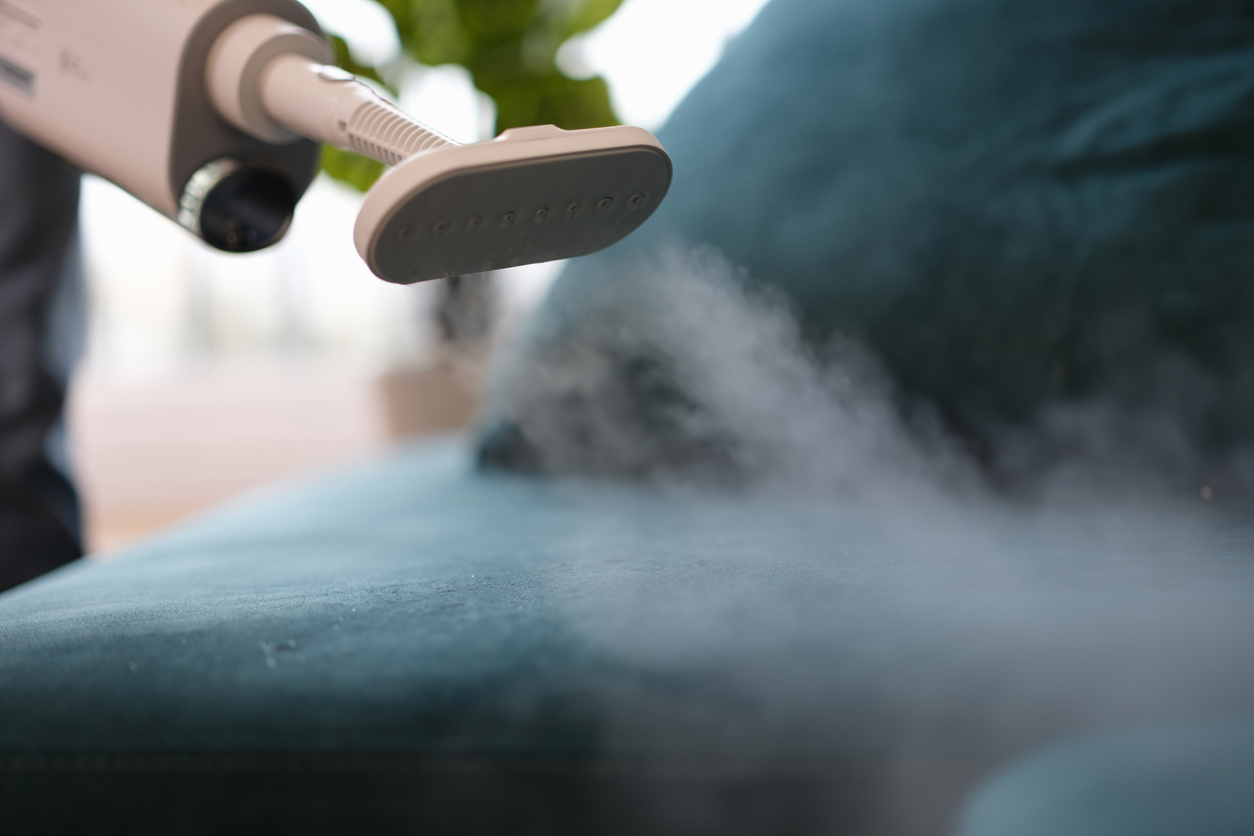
(1190,777)
(414,645)
(1019,212)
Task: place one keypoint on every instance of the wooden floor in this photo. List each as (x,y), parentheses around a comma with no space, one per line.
(149,452)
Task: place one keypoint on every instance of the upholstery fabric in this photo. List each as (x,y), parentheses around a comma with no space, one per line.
(1011,203)
(416,644)
(1189,778)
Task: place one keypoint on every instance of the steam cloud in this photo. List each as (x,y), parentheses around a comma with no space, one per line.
(684,373)
(688,374)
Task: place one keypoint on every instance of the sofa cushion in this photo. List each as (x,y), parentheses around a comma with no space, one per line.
(412,643)
(1191,778)
(1012,204)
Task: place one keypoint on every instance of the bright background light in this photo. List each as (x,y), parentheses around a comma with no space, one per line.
(653,51)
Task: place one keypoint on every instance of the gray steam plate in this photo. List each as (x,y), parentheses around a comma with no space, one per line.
(533,195)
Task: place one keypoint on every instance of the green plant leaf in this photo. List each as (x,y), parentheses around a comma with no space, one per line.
(347,167)
(589,14)
(509,47)
(436,33)
(572,104)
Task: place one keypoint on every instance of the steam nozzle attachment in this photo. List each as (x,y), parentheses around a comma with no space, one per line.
(330,105)
(273,80)
(531,195)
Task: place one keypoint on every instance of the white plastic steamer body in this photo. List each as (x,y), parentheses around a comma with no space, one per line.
(117,87)
(213,111)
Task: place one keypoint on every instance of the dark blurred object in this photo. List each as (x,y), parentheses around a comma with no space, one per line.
(466,311)
(509,47)
(39,272)
(1014,205)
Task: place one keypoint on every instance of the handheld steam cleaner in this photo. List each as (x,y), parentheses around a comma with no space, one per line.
(212,111)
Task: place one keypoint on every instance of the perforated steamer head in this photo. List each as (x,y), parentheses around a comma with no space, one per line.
(531,195)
